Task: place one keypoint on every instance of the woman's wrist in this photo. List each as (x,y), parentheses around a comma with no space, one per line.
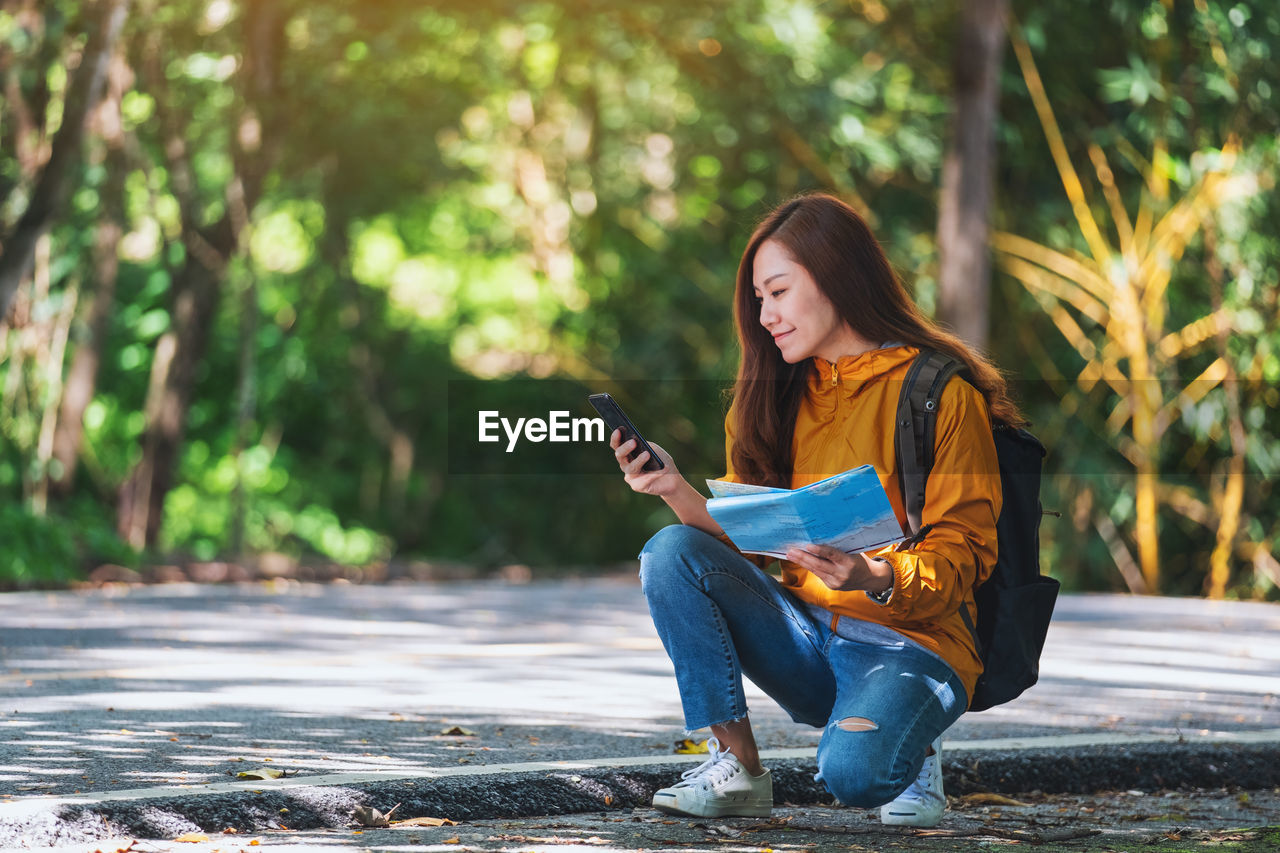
(880,586)
(690,506)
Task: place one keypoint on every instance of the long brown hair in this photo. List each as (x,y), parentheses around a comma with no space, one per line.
(833,243)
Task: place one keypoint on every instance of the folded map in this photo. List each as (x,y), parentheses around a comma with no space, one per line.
(849,511)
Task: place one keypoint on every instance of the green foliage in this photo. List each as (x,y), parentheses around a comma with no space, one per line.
(526,190)
(51,551)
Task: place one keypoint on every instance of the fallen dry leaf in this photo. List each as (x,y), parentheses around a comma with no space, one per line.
(192,837)
(367,816)
(453,840)
(688,746)
(457,731)
(260,773)
(988,799)
(424,821)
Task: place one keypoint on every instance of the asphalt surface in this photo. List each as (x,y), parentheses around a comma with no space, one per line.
(131,709)
(1111,822)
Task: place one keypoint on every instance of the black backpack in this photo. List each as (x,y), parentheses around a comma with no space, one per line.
(1016,602)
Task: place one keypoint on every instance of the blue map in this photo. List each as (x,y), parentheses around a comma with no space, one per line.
(849,511)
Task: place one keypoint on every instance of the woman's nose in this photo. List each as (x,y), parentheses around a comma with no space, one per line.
(767,315)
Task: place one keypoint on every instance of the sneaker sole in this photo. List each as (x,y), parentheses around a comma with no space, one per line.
(741,808)
(909,819)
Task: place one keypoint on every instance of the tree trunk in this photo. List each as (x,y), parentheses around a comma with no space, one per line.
(380,421)
(246,387)
(964,281)
(178,355)
(82,378)
(52,388)
(54,184)
(180,351)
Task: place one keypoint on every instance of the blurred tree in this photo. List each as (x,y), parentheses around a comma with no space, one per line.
(1115,306)
(91,332)
(49,191)
(964,210)
(339,224)
(209,245)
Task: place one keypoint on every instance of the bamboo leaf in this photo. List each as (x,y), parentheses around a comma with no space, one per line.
(1142,225)
(1220,559)
(1120,553)
(1124,228)
(1084,274)
(1193,334)
(1119,415)
(1070,178)
(1105,368)
(1192,393)
(1056,286)
(1183,500)
(1071,331)
(1169,240)
(1180,224)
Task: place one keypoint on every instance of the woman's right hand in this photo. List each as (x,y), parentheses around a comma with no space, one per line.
(662,482)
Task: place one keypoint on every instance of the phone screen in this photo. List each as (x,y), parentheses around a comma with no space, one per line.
(615,418)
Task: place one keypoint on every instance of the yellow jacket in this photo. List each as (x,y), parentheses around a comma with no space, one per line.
(847,419)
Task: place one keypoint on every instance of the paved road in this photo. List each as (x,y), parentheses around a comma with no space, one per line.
(1163,821)
(133,687)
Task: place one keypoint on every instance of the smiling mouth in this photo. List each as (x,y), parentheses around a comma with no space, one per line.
(777,338)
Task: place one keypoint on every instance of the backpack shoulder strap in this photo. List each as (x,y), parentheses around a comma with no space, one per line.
(915,435)
(916,426)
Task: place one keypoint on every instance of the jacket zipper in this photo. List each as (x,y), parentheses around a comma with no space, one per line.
(831,434)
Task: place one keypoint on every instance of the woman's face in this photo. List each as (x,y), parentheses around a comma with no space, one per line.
(801,319)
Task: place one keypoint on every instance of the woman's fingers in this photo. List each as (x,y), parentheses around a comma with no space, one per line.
(805,556)
(828,564)
(824,552)
(622,451)
(633,470)
(635,465)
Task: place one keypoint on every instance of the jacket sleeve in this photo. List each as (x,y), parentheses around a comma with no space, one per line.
(962,502)
(761,560)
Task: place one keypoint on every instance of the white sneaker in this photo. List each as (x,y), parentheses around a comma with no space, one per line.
(923,803)
(718,787)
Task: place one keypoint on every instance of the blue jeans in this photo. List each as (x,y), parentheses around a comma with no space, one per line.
(719,617)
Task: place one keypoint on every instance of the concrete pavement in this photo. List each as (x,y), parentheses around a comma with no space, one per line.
(115,701)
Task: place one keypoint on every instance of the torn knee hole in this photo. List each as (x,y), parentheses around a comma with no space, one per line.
(857,724)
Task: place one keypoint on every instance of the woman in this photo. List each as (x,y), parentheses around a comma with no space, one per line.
(870,647)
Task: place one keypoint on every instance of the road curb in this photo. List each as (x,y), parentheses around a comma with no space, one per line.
(585,788)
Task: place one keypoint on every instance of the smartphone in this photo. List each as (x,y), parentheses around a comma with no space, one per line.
(615,418)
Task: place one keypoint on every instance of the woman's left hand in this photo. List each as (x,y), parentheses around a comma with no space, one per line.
(842,571)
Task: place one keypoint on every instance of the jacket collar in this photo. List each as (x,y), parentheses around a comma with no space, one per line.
(852,373)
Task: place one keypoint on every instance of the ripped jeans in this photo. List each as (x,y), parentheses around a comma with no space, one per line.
(720,617)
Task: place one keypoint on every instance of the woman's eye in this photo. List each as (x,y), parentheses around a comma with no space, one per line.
(775,294)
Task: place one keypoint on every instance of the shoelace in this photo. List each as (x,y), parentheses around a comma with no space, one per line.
(719,767)
(924,781)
